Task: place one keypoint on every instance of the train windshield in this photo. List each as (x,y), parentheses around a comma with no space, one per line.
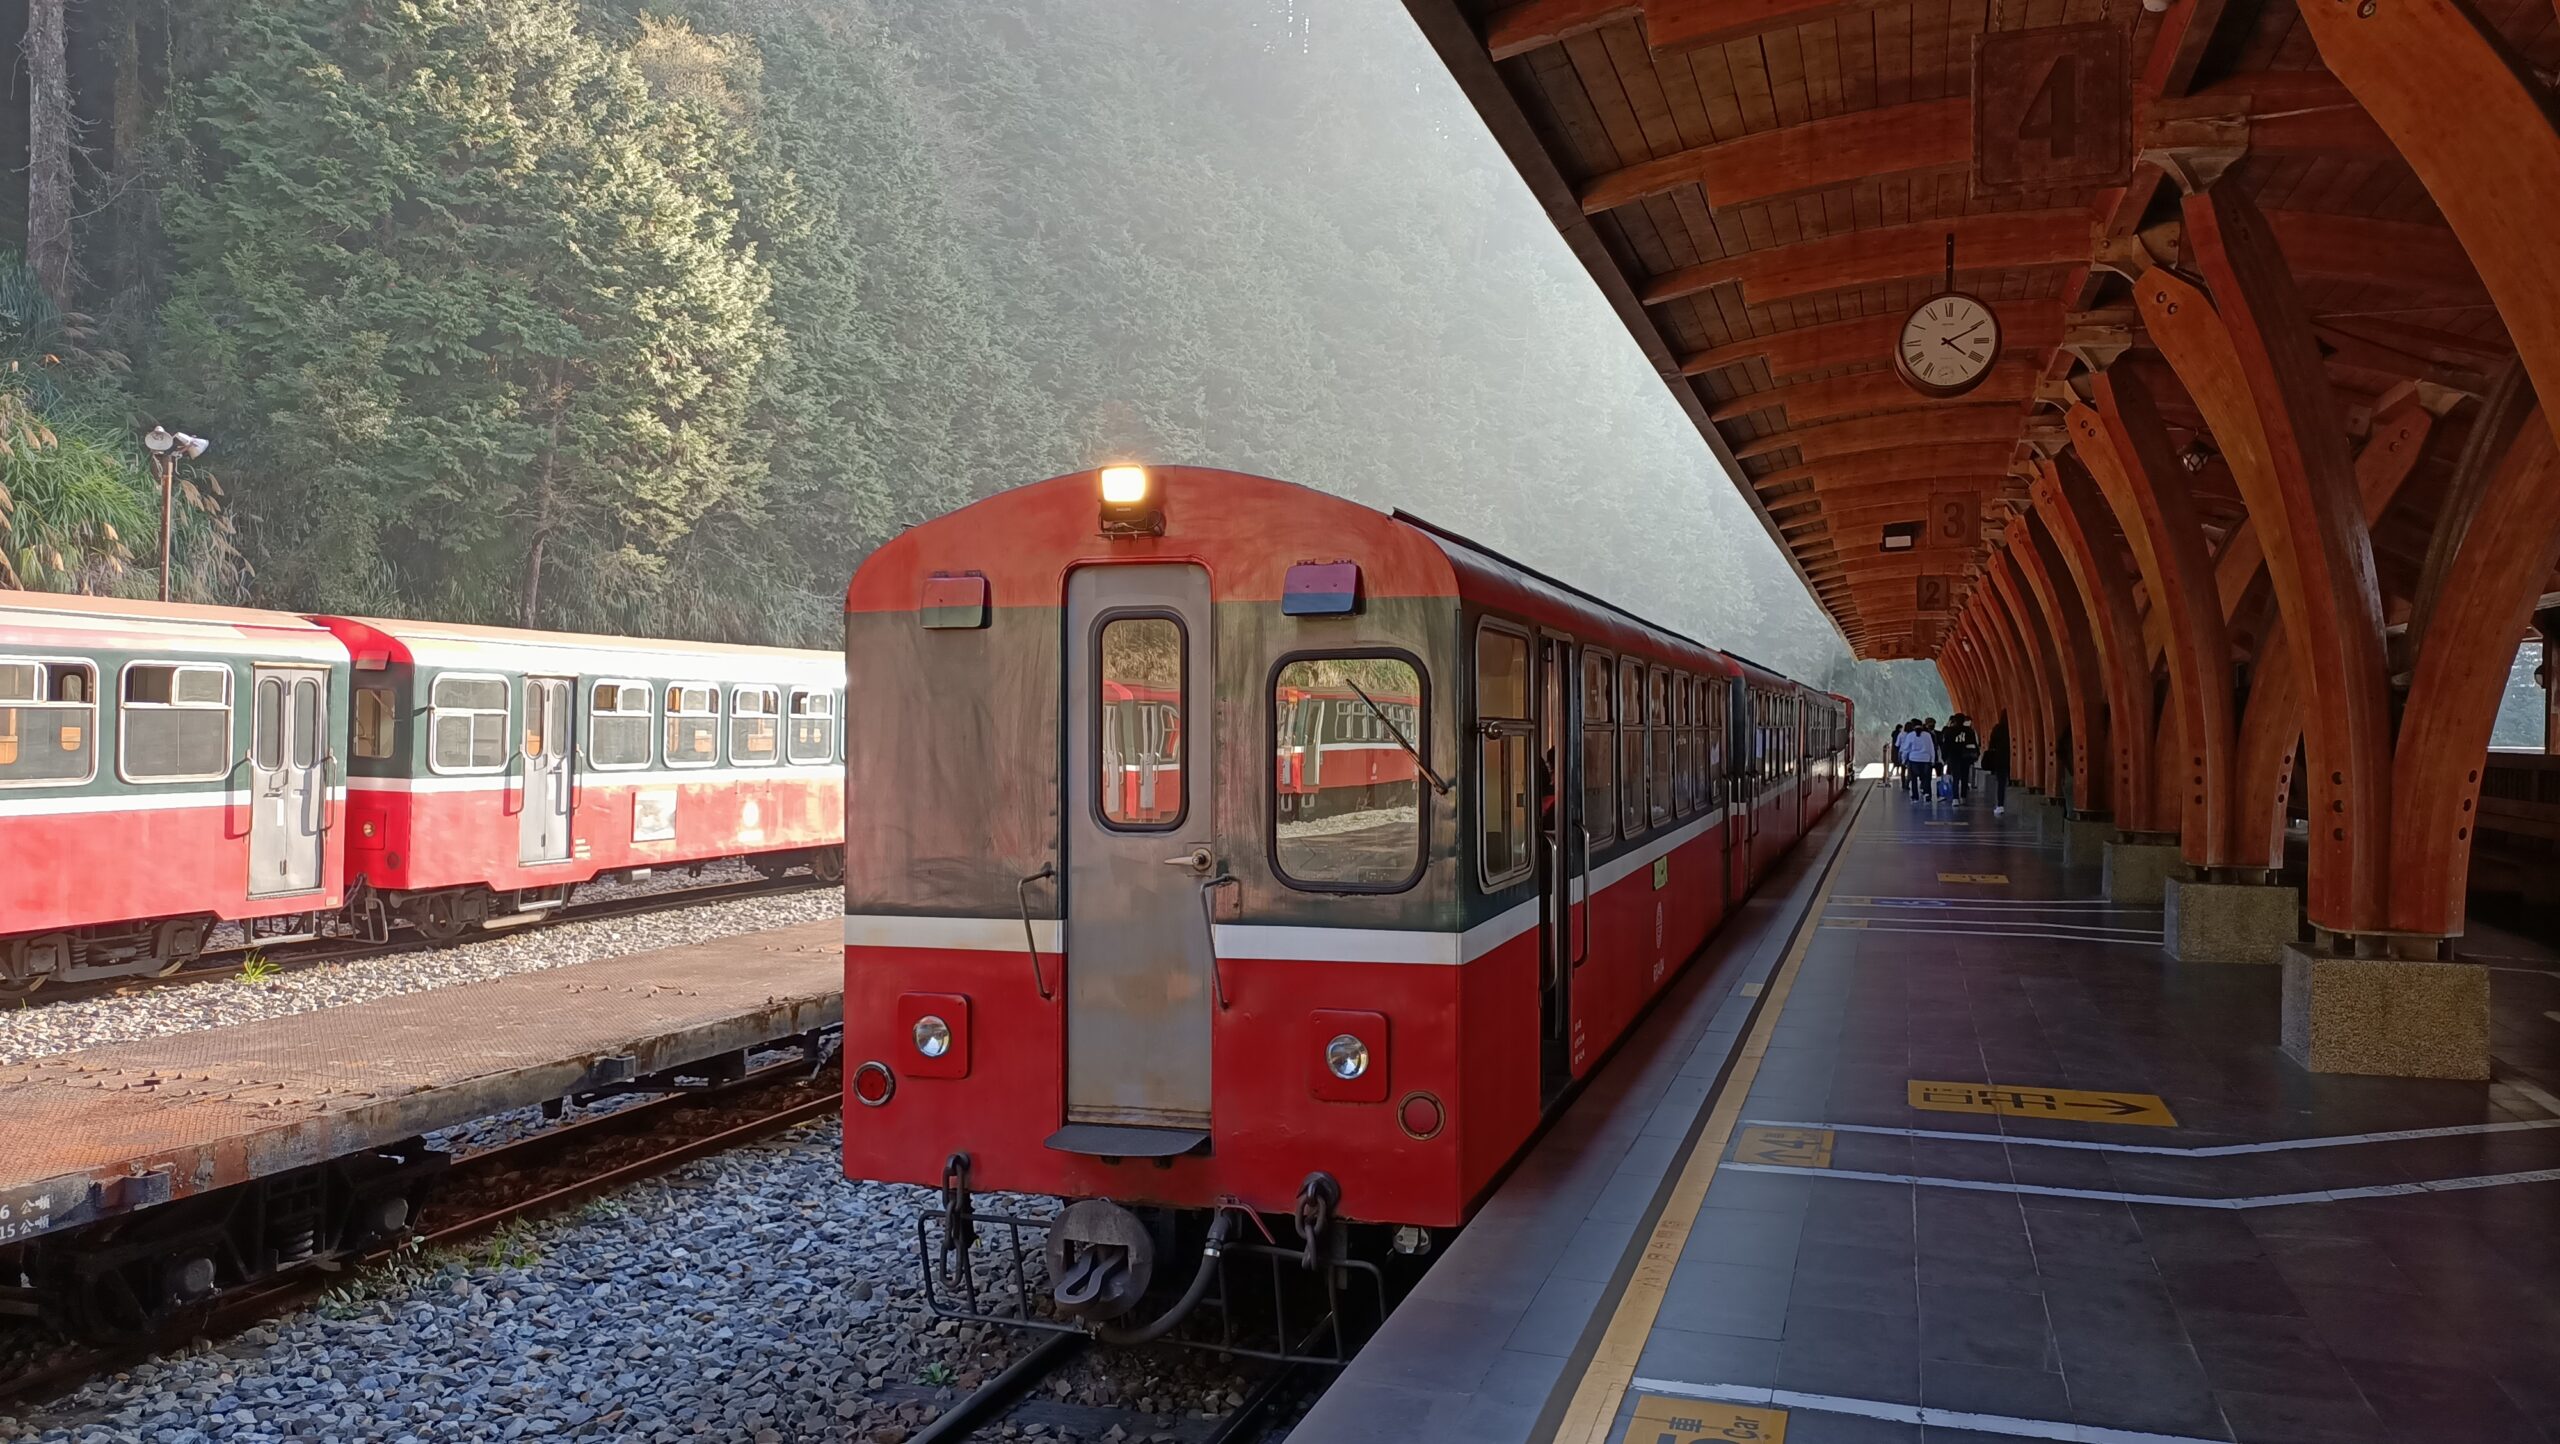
(1348,780)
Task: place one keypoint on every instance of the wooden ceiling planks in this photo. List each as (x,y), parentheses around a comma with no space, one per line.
(1775,179)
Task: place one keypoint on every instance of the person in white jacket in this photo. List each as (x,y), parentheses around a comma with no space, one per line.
(1920,759)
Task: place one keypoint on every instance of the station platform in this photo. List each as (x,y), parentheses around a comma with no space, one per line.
(1940,1146)
(110,1130)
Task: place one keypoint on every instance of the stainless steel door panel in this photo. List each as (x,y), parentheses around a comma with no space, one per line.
(289,757)
(542,828)
(1141,760)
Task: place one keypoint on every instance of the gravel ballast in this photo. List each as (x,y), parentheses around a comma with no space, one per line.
(149,1011)
(757,1296)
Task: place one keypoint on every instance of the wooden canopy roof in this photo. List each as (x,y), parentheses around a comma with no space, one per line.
(1765,188)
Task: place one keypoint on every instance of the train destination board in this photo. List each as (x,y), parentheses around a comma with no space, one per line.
(2012,1101)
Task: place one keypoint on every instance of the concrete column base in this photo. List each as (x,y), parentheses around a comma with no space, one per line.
(2085,839)
(2137,871)
(2229,922)
(2386,1017)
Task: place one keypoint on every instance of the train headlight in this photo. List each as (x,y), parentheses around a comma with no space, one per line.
(1346,1057)
(1129,504)
(933,1036)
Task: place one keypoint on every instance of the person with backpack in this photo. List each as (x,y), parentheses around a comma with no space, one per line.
(1961,745)
(1995,760)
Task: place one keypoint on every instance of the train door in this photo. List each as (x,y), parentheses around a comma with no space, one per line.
(542,828)
(289,780)
(1565,856)
(1141,855)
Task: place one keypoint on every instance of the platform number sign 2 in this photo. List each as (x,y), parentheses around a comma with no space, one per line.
(2053,108)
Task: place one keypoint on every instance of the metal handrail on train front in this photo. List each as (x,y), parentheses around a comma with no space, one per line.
(1583,953)
(1209,925)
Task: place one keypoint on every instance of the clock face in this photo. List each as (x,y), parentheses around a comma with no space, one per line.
(1947,345)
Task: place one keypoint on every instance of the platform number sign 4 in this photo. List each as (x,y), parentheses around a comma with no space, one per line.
(2053,108)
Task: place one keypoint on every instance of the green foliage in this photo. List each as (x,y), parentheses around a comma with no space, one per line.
(470,300)
(258,968)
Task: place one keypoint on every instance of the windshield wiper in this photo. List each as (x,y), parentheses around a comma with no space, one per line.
(1397,733)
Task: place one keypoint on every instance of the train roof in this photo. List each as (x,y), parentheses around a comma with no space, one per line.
(461,644)
(68,620)
(1535,592)
(1248,530)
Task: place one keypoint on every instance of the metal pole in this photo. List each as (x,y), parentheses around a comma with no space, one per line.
(168,466)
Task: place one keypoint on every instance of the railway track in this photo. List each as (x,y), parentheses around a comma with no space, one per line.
(1011,1397)
(534,1176)
(225,964)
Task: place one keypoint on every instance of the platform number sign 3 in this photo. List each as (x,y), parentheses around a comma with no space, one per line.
(2053,108)
(1661,1420)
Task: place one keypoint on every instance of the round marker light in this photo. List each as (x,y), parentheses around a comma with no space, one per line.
(1124,485)
(873,1084)
(933,1036)
(1346,1056)
(1420,1116)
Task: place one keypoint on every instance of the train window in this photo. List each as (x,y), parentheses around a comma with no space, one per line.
(618,726)
(48,723)
(1138,762)
(377,722)
(175,722)
(268,732)
(1599,751)
(813,727)
(1504,785)
(1719,703)
(467,724)
(755,726)
(310,723)
(1347,796)
(1632,812)
(693,725)
(1657,735)
(1684,746)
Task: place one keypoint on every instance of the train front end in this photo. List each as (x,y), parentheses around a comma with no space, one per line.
(1150,905)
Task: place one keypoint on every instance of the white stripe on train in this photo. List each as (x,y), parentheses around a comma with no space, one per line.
(1270,941)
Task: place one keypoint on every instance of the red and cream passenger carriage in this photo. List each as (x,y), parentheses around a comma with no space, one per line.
(1438,829)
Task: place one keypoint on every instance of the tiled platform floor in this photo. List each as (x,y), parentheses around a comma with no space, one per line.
(1958,1276)
(1960,1262)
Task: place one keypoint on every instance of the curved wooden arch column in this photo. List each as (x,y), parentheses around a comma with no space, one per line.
(2248,357)
(2031,548)
(2005,681)
(2028,708)
(2126,447)
(2505,554)
(2071,508)
(2048,709)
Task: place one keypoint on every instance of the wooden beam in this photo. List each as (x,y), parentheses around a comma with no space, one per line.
(2473,120)
(2126,447)
(2025,326)
(1794,159)
(1915,463)
(2040,566)
(2505,557)
(2247,355)
(1674,25)
(1951,425)
(2077,518)
(2019,631)
(2422,261)
(1518,29)
(1999,241)
(2012,380)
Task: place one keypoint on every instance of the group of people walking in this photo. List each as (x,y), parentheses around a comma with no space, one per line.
(1939,761)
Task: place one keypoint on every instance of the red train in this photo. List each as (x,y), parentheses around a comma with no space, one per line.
(1412,836)
(164,769)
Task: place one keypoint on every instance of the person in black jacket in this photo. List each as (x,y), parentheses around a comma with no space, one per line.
(1995,760)
(1960,745)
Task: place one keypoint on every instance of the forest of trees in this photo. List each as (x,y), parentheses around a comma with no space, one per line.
(656,315)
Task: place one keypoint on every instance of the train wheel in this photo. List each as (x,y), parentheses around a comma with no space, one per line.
(827,865)
(15,980)
(178,944)
(438,917)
